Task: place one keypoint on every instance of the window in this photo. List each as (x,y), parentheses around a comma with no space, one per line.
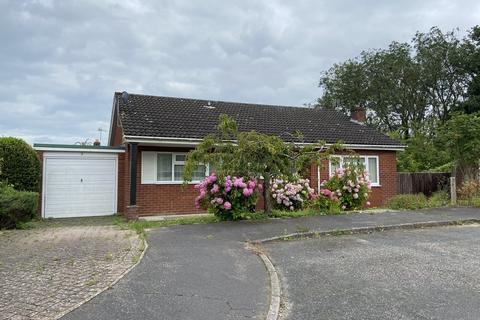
(164,167)
(369,162)
(169,168)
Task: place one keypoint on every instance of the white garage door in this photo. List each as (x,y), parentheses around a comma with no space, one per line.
(79,185)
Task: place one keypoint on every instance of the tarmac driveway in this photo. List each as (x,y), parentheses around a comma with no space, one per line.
(188,272)
(416,274)
(205,271)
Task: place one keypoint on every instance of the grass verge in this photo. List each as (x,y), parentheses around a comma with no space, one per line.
(139,226)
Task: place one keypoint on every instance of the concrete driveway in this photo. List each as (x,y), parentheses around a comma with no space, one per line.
(205,271)
(416,274)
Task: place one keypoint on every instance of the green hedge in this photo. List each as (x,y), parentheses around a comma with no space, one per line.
(16,207)
(19,165)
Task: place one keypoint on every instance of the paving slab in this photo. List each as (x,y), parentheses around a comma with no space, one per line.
(46,272)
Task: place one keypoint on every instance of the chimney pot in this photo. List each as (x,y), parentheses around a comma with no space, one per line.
(359,114)
(125,97)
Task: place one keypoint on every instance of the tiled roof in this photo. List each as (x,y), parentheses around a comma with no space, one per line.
(167,117)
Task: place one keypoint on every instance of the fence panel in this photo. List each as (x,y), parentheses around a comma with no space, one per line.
(421,182)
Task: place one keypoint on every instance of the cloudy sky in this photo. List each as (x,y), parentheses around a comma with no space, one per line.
(61,61)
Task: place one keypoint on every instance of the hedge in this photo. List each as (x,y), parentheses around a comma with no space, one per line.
(16,206)
(19,165)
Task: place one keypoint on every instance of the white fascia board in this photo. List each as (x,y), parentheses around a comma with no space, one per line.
(159,139)
(53,149)
(171,141)
(374,147)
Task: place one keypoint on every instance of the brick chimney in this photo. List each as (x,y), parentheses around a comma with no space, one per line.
(359,114)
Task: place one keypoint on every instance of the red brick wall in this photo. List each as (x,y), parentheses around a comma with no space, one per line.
(388,176)
(117,136)
(176,199)
(155,198)
(117,132)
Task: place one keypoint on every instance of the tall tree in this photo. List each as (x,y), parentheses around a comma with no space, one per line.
(461,137)
(409,89)
(440,58)
(472,67)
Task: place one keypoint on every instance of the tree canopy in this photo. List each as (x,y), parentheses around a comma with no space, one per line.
(461,137)
(253,154)
(410,90)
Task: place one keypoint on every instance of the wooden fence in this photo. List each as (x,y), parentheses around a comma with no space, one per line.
(422,182)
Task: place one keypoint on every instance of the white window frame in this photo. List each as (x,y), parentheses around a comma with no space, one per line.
(174,162)
(365,158)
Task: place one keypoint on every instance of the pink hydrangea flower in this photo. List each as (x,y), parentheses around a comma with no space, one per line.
(215,188)
(227,205)
(247,192)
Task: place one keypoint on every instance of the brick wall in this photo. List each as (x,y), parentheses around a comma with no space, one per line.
(176,199)
(155,198)
(388,176)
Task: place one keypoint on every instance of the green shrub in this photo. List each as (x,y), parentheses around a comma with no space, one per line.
(19,165)
(350,186)
(327,204)
(291,195)
(16,207)
(408,201)
(230,198)
(439,199)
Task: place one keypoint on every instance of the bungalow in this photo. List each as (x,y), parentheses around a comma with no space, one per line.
(140,171)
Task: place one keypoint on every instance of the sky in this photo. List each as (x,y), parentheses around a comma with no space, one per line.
(61,61)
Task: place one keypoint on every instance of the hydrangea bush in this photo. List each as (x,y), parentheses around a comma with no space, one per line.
(293,195)
(350,186)
(327,201)
(229,198)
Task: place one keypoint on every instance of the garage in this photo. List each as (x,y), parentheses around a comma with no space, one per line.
(79,182)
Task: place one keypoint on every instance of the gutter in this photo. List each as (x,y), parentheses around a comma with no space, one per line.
(77,148)
(195,141)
